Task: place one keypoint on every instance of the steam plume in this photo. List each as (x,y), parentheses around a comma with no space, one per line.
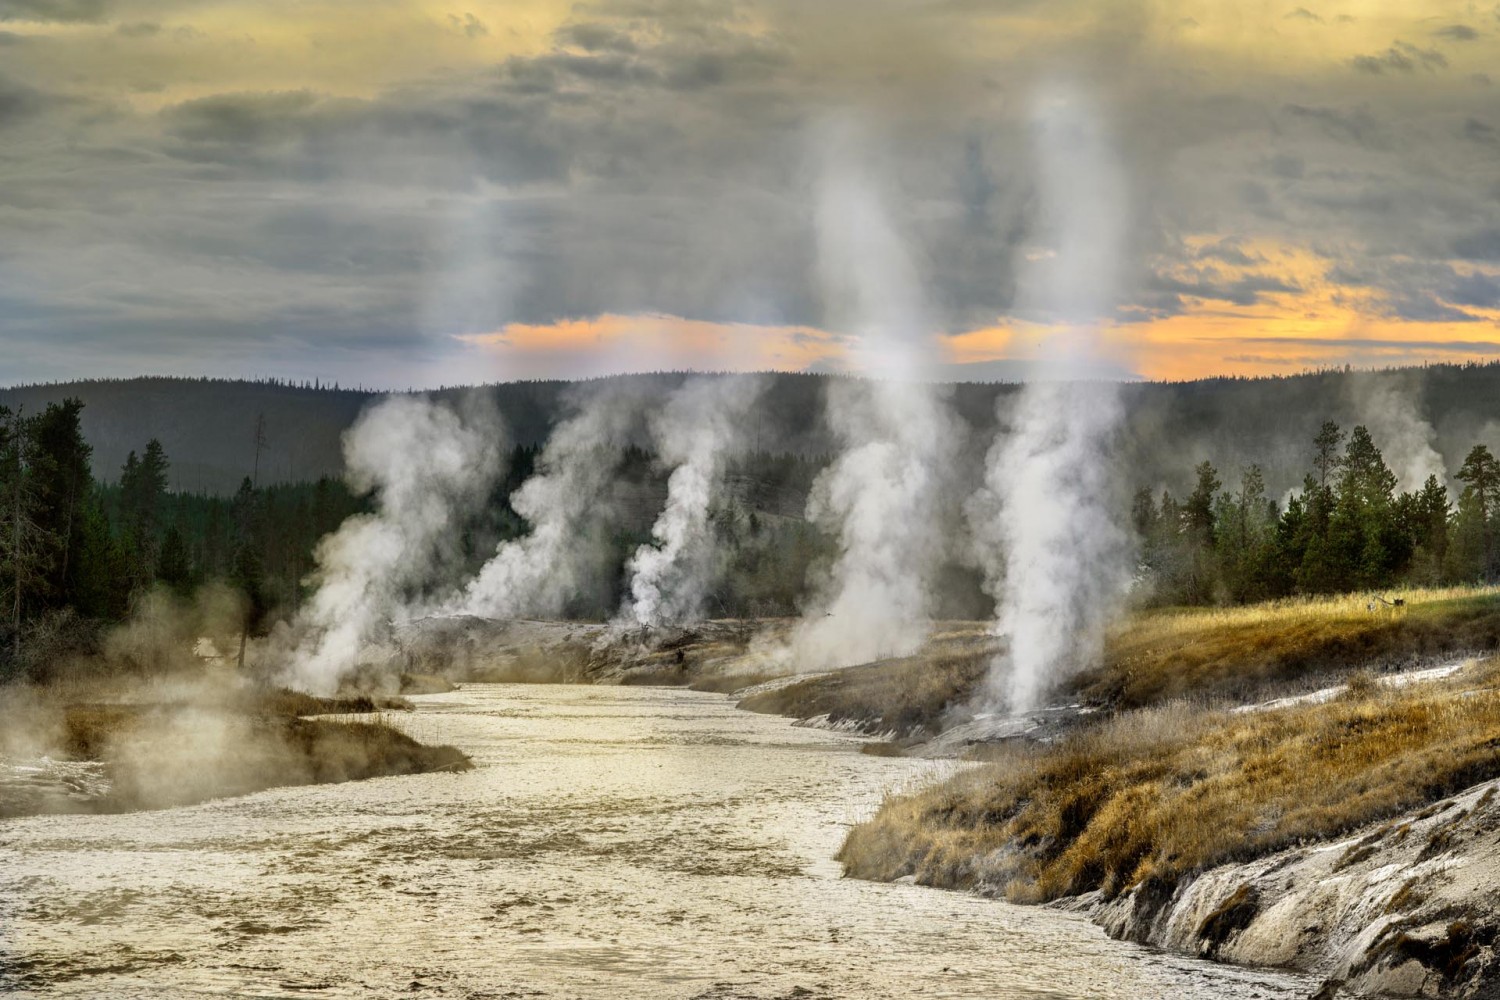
(879,497)
(428,466)
(1055,557)
(1389,405)
(693,434)
(566,502)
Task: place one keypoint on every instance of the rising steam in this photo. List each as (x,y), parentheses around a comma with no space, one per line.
(1389,404)
(1054,554)
(428,466)
(879,497)
(693,434)
(567,504)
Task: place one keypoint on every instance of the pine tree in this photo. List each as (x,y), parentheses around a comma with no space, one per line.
(174,568)
(1481,474)
(1424,517)
(27,548)
(1326,458)
(63,483)
(1365,543)
(143,491)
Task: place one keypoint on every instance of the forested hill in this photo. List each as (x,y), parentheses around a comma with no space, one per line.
(208,427)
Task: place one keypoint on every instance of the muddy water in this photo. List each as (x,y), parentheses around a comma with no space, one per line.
(612,842)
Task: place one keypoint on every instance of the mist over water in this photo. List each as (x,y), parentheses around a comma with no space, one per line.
(1046,522)
(895,435)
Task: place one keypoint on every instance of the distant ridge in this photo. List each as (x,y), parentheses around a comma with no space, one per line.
(208,425)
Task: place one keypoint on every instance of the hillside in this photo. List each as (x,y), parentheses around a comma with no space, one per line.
(208,426)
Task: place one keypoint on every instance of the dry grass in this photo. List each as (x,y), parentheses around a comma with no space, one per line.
(1240,653)
(1153,795)
(1205,654)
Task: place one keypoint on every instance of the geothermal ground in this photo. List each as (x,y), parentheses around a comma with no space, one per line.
(1167,795)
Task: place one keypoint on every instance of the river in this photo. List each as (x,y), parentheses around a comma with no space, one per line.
(610,843)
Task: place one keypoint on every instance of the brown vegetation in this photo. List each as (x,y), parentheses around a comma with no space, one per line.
(1241,653)
(1152,795)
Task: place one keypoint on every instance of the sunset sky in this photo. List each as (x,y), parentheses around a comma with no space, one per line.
(405,193)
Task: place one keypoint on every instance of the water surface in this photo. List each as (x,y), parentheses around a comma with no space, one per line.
(610,843)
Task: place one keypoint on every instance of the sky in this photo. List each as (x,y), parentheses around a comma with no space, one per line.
(406,193)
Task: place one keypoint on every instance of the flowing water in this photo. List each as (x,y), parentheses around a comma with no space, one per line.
(611,843)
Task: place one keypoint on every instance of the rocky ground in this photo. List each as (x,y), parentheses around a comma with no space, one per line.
(1406,907)
(716,653)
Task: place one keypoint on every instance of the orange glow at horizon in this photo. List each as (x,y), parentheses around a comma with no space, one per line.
(1312,323)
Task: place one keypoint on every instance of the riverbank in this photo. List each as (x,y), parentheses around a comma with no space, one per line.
(1184,798)
(119,744)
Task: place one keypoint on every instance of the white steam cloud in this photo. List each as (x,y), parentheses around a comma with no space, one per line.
(880,495)
(693,434)
(1390,407)
(428,466)
(1055,557)
(568,506)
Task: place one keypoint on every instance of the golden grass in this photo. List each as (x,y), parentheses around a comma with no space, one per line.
(1204,654)
(1240,652)
(1153,795)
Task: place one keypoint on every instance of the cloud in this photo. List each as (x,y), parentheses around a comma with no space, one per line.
(1212,283)
(1417,346)
(1479,244)
(1402,57)
(630,158)
(468,25)
(18,101)
(53,10)
(1477,131)
(1456,33)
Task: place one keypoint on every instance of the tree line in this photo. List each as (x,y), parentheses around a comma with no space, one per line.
(78,553)
(1348,529)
